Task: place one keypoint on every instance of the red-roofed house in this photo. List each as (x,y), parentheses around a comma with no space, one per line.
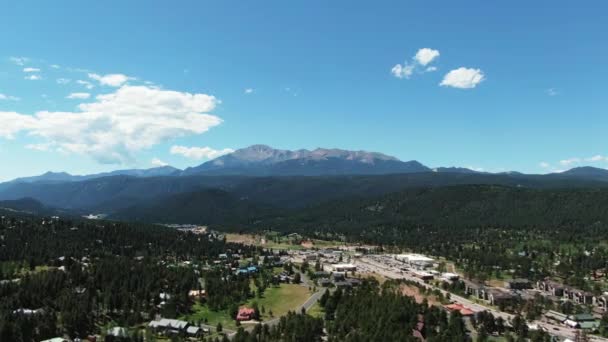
(245,314)
(458,307)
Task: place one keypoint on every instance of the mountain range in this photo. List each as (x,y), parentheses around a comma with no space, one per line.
(263,160)
(260,178)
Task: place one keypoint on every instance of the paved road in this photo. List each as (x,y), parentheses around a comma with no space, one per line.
(562,331)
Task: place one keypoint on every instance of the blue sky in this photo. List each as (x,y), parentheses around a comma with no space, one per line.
(523,83)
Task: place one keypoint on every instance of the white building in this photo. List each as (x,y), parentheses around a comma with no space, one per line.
(418,261)
(343,268)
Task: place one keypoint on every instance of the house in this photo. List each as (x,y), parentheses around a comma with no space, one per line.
(549,286)
(583,297)
(245,314)
(498,297)
(449,277)
(343,284)
(324,282)
(473,289)
(569,292)
(193,331)
(519,284)
(168,326)
(354,281)
(118,332)
(464,311)
(583,321)
(602,302)
(338,276)
(556,316)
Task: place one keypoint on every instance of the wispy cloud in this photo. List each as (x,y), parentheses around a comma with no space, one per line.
(249,90)
(33,77)
(31,69)
(112,80)
(551,92)
(570,161)
(157,162)
(63,80)
(421,59)
(80,96)
(86,84)
(199,152)
(19,60)
(4,97)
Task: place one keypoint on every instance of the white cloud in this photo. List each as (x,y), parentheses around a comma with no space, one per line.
(476,169)
(158,163)
(112,80)
(31,70)
(402,71)
(38,147)
(597,158)
(552,92)
(463,78)
(19,60)
(544,165)
(248,90)
(199,152)
(425,56)
(55,66)
(86,84)
(33,77)
(80,96)
(4,97)
(570,161)
(63,80)
(118,124)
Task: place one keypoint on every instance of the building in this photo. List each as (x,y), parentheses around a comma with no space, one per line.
(583,321)
(602,302)
(324,282)
(583,297)
(551,287)
(245,314)
(473,289)
(193,331)
(449,277)
(498,297)
(464,311)
(422,275)
(118,332)
(556,316)
(344,268)
(354,281)
(519,284)
(168,326)
(417,261)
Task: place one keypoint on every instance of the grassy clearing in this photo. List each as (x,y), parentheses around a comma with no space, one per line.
(316,311)
(280,300)
(202,312)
